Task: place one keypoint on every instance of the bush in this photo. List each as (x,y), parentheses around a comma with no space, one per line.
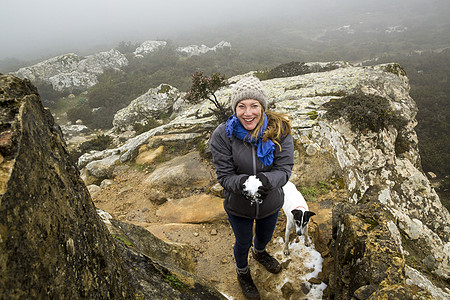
(100,143)
(204,87)
(362,111)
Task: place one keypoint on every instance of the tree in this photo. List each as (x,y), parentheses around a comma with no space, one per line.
(204,87)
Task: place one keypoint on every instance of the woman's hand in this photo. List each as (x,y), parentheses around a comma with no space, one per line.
(264,189)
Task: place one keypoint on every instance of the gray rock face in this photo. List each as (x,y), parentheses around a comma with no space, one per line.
(69,71)
(52,244)
(151,105)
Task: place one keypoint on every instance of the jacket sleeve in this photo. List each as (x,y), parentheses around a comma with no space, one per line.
(283,163)
(223,160)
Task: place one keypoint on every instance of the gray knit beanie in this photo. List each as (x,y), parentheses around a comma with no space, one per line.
(248,88)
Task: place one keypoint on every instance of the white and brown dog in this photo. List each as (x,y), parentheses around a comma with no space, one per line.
(297,214)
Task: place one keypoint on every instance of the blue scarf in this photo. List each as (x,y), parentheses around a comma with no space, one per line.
(264,150)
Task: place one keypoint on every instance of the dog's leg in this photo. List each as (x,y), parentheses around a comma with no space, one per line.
(286,238)
(307,239)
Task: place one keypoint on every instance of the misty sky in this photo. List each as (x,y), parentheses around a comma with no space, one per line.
(30,26)
(33,28)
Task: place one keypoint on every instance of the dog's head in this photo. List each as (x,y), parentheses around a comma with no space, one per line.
(301,219)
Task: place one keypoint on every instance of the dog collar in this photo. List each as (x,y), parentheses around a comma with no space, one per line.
(304,208)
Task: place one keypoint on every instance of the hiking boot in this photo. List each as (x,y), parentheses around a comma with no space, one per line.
(248,287)
(270,263)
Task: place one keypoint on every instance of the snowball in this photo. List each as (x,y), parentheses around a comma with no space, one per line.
(252,184)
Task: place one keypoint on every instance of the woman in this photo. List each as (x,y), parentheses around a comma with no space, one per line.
(258,142)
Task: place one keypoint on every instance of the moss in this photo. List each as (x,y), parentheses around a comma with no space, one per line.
(174,282)
(362,111)
(262,75)
(128,243)
(401,145)
(373,223)
(141,128)
(312,114)
(165,88)
(100,143)
(395,69)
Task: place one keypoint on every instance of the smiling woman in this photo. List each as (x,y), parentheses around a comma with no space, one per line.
(252,143)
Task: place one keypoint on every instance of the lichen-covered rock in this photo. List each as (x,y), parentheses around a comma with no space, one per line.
(149,106)
(369,262)
(70,71)
(52,244)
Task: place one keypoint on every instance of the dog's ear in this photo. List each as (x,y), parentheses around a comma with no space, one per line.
(297,213)
(309,214)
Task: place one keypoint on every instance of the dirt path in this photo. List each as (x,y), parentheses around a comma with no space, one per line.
(127,199)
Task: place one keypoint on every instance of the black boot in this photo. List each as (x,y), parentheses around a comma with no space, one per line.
(270,263)
(248,287)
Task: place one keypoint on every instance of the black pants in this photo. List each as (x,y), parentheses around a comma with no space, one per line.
(243,232)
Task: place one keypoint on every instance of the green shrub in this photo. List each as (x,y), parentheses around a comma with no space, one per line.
(362,111)
(100,143)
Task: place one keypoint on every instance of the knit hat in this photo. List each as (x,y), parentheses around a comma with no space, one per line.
(248,88)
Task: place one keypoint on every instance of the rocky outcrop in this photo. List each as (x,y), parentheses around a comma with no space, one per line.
(193,50)
(149,106)
(369,259)
(357,157)
(53,243)
(149,47)
(71,72)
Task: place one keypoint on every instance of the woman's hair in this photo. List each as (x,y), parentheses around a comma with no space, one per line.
(278,126)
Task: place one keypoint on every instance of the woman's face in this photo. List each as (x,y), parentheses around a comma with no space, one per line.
(249,113)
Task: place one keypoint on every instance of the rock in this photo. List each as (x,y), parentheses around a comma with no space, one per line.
(46,211)
(69,71)
(199,50)
(70,131)
(186,171)
(188,210)
(149,106)
(102,169)
(94,190)
(368,259)
(149,47)
(147,157)
(431,175)
(157,197)
(106,182)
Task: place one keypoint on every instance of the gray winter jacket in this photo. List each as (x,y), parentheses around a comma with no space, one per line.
(234,158)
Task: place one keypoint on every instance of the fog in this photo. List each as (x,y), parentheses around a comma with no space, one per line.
(33,28)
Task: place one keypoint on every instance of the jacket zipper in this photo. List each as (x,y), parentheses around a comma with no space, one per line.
(254,173)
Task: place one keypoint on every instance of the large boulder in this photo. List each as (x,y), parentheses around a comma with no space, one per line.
(186,171)
(46,211)
(152,105)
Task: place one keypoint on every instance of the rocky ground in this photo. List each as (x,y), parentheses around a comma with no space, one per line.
(127,199)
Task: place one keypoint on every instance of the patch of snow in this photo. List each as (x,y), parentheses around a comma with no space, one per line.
(252,184)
